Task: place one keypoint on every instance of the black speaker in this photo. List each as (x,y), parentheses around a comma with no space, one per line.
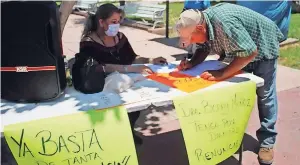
(32,64)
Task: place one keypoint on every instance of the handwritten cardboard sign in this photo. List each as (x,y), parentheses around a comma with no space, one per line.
(213,122)
(181,81)
(101,137)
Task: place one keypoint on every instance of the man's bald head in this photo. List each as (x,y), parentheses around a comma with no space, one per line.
(191,27)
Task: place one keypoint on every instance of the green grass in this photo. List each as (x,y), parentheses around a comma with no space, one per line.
(174,12)
(58,3)
(294,29)
(290,56)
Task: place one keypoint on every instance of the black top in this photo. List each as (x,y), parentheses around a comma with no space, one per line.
(122,53)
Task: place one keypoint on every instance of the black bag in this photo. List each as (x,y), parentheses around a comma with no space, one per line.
(88,78)
(32,66)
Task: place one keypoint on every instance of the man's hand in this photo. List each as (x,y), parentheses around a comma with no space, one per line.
(184,65)
(213,75)
(234,67)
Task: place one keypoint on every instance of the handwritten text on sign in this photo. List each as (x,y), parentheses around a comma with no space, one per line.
(213,122)
(87,138)
(181,81)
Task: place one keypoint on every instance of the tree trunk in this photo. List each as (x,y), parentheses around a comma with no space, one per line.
(65,10)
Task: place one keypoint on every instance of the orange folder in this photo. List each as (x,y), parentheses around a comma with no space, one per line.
(181,81)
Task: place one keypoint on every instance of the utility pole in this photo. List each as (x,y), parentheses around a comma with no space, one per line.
(65,10)
(167,19)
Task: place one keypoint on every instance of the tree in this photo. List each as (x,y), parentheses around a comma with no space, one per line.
(66,8)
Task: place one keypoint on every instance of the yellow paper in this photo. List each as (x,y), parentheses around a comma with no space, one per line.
(213,122)
(192,84)
(181,81)
(100,137)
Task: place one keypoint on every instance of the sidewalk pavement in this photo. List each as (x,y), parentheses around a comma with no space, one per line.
(167,146)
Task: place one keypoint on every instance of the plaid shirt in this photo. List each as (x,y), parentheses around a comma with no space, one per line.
(238,31)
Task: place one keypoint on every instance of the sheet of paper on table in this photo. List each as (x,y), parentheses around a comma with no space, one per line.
(146,89)
(204,66)
(73,101)
(181,81)
(187,81)
(196,71)
(163,68)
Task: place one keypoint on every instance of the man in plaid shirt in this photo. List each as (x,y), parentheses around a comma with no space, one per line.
(249,41)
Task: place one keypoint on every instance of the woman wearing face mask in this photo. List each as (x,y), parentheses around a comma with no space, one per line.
(102,41)
(101,36)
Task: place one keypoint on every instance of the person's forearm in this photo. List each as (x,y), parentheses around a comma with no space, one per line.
(109,68)
(200,54)
(238,64)
(141,60)
(198,58)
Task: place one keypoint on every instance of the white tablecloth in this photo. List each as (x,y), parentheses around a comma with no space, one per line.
(139,97)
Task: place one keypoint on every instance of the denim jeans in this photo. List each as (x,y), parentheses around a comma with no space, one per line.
(266,100)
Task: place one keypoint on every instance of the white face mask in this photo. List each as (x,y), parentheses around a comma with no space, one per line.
(112,30)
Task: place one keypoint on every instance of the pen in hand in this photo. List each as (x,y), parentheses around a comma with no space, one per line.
(181,66)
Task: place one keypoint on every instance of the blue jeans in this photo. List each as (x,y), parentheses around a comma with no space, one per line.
(266,100)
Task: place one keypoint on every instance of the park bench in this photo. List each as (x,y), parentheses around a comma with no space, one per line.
(146,11)
(86,5)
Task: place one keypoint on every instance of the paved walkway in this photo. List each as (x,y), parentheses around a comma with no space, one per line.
(167,146)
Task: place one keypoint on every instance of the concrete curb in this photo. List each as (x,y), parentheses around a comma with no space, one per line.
(84,14)
(289,41)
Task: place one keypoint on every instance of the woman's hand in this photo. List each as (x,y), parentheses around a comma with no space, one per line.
(143,69)
(158,61)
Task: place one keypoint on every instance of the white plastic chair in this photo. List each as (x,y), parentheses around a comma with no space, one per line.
(87,5)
